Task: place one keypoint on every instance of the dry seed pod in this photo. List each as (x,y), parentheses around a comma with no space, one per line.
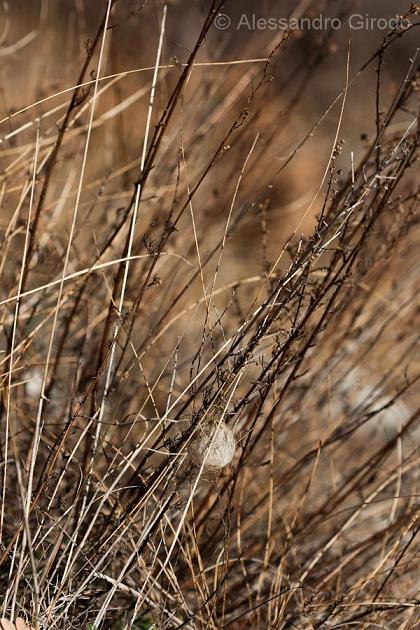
(214,445)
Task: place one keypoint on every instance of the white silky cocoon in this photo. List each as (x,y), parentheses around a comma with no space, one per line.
(214,444)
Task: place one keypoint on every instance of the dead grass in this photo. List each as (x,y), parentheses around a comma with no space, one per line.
(190,244)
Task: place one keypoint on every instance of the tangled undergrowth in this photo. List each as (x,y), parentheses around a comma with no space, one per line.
(209,310)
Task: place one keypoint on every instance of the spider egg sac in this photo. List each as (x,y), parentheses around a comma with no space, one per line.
(214,445)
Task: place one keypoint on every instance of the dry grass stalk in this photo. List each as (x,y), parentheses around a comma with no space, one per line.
(209,387)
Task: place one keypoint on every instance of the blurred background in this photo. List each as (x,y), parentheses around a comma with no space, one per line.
(43,45)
